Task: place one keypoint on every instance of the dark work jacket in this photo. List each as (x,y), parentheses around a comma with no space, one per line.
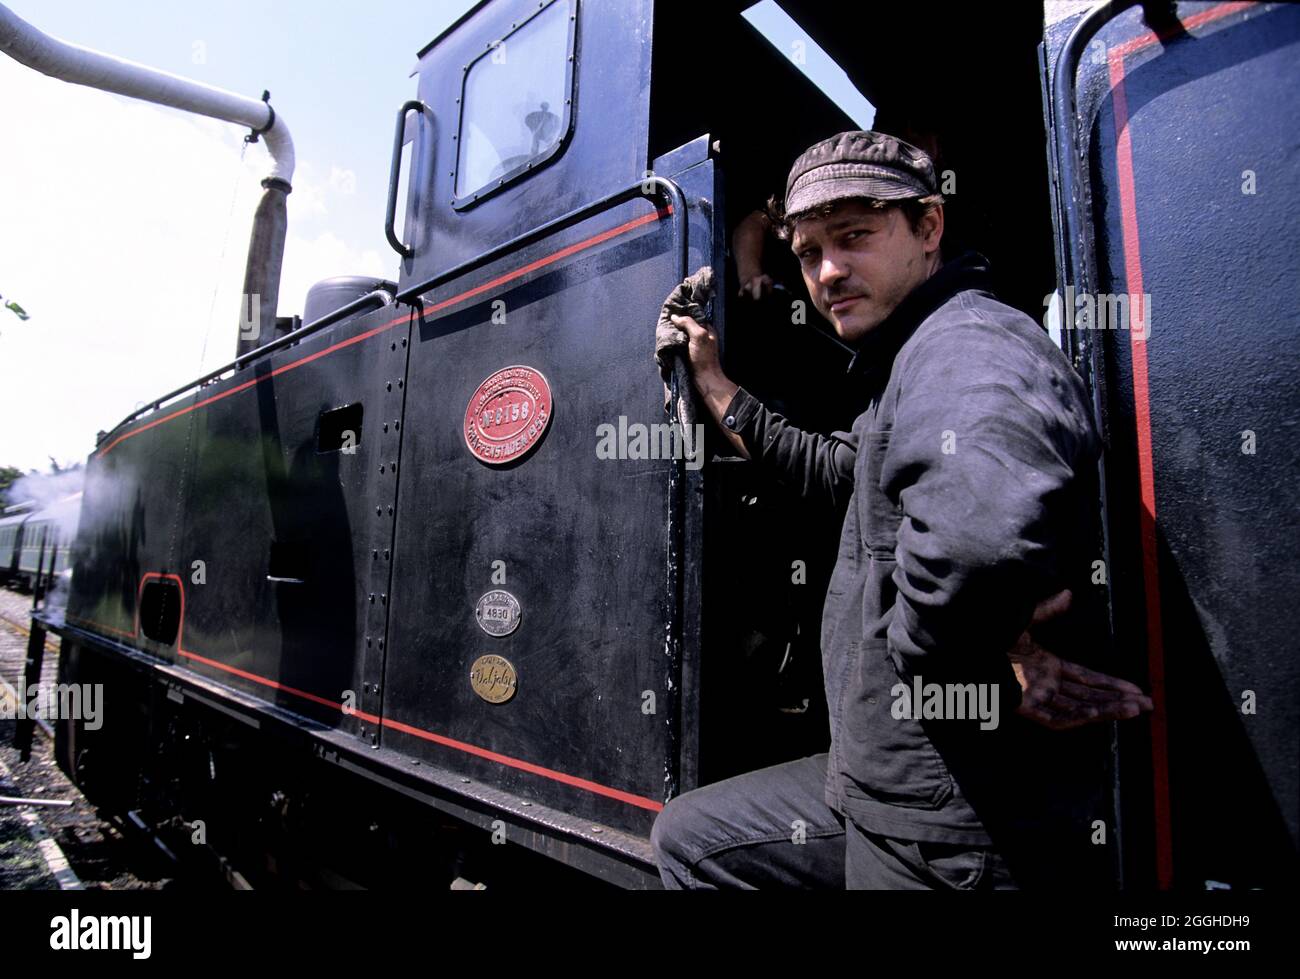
(968,485)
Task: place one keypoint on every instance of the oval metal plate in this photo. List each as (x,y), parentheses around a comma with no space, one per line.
(493,678)
(508,414)
(497,613)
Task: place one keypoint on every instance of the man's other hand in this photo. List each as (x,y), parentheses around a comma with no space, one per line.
(1061,695)
(756,286)
(747,244)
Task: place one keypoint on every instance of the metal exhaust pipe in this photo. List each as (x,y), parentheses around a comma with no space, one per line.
(82,66)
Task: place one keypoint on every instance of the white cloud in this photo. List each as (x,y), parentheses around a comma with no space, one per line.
(123,232)
(343,180)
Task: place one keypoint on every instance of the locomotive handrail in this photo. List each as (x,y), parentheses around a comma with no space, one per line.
(377,298)
(394,175)
(642,188)
(1079,259)
(1072,167)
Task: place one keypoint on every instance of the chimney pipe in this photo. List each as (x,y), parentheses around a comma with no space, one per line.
(82,66)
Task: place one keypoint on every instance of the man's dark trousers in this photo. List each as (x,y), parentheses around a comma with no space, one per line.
(773,829)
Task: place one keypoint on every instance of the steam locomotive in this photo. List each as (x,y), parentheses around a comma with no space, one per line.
(367,602)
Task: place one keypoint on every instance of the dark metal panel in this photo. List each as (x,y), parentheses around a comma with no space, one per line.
(605,152)
(276,540)
(582,540)
(1194,519)
(131,515)
(286,599)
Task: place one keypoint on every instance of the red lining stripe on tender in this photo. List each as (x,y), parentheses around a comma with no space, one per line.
(459,297)
(257,380)
(1142,418)
(581,783)
(266,682)
(1195,20)
(526,766)
(553,257)
(501,759)
(1146,486)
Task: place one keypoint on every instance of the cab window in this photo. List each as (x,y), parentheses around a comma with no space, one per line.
(515,103)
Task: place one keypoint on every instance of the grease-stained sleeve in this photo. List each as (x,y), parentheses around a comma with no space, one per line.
(819,467)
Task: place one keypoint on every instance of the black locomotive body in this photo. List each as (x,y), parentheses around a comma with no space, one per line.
(377,600)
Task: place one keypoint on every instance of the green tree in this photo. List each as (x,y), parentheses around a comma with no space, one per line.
(8,476)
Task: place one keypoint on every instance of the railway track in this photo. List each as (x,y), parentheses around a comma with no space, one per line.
(15,619)
(49,845)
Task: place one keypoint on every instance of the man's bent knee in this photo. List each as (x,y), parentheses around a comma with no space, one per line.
(671,837)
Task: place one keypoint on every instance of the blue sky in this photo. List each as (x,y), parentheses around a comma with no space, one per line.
(785,34)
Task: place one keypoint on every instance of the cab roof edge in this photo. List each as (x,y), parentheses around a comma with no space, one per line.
(448,29)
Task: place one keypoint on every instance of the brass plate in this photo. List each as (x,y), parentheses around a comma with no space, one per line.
(493,678)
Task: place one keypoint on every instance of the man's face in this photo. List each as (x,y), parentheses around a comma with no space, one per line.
(859,262)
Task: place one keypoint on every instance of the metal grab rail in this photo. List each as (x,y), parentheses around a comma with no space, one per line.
(376,299)
(394,175)
(642,188)
(1072,167)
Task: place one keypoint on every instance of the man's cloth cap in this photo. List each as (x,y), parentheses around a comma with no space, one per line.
(858,164)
